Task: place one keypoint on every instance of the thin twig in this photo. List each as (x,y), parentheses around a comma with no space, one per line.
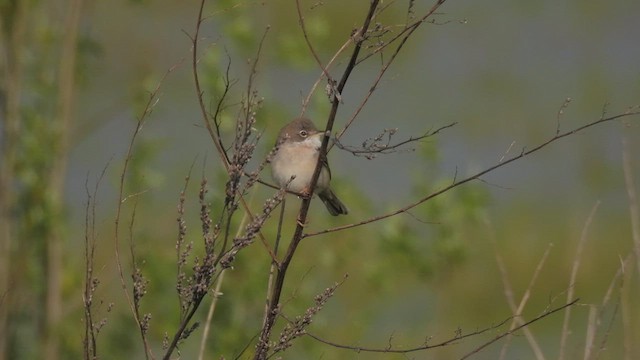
(310,46)
(454,340)
(375,145)
(90,283)
(563,107)
(139,288)
(507,333)
(216,296)
(121,197)
(403,36)
(475,176)
(214,130)
(307,99)
(262,347)
(274,263)
(215,135)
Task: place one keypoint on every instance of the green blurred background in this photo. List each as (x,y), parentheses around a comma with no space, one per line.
(501,70)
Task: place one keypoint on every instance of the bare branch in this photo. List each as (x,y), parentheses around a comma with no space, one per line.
(563,107)
(403,36)
(307,99)
(507,333)
(298,327)
(454,340)
(476,176)
(310,46)
(263,345)
(90,282)
(381,143)
(151,102)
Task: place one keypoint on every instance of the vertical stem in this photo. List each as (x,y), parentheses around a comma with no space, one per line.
(263,341)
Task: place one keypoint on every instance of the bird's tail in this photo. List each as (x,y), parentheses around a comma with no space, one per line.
(333,204)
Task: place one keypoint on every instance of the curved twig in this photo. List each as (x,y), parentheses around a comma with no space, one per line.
(151,102)
(458,337)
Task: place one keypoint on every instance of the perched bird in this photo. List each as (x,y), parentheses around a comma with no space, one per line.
(298,150)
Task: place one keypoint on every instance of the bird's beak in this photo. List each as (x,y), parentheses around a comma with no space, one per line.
(315,139)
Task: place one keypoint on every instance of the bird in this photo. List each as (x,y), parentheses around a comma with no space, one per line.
(294,162)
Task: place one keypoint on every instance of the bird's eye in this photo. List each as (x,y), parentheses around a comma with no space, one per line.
(303,133)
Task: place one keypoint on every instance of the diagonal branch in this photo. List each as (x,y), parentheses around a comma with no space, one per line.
(507,333)
(456,183)
(454,340)
(403,36)
(311,49)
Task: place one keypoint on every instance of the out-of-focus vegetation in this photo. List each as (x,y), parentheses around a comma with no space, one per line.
(76,76)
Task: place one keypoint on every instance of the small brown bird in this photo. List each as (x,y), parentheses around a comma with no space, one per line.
(299,148)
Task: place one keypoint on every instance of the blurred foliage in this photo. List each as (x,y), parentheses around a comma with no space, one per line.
(37,213)
(426,273)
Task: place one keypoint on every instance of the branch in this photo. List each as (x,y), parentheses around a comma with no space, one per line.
(375,145)
(456,183)
(151,102)
(403,36)
(306,100)
(215,135)
(451,341)
(507,333)
(298,327)
(406,31)
(206,272)
(214,131)
(90,282)
(262,347)
(311,49)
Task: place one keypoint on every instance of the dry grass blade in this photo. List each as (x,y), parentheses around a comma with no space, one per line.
(574,273)
(509,295)
(634,206)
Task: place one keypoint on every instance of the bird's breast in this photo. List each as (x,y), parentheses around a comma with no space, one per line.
(297,159)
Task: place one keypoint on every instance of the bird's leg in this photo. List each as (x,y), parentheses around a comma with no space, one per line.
(305,193)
